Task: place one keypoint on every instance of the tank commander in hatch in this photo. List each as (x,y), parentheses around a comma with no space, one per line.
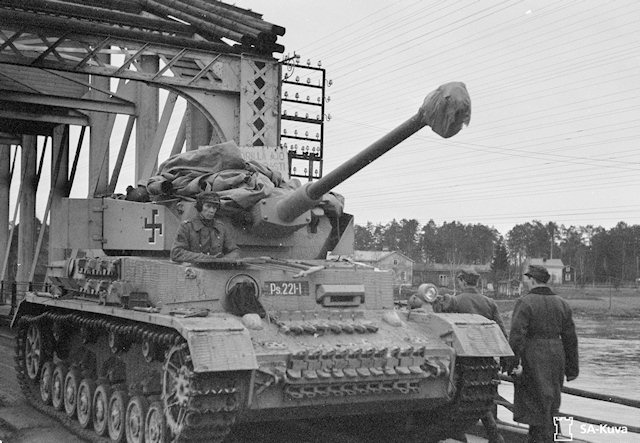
(203,238)
(470,301)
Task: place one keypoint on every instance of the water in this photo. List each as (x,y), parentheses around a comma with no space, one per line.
(609,364)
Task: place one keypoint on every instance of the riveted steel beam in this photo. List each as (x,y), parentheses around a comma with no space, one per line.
(9,139)
(72,103)
(46,114)
(219,73)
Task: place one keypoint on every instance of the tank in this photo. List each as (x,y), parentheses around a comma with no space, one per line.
(124,344)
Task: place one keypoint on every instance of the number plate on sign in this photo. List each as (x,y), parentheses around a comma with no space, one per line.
(286,288)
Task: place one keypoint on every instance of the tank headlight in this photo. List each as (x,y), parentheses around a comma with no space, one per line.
(428,292)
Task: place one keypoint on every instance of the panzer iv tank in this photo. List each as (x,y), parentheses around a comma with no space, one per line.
(125,344)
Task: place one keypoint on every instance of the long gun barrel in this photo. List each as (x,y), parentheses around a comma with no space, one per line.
(445,109)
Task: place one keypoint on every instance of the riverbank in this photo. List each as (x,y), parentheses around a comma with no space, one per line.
(591,303)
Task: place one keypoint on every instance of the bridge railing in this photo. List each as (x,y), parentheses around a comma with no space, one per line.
(501,401)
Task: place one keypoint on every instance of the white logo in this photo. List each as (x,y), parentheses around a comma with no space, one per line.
(557,434)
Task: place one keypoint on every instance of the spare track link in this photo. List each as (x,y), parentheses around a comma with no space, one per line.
(212,407)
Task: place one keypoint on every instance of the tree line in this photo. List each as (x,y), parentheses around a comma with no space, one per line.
(596,254)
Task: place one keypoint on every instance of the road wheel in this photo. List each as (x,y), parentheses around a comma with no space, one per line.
(71,383)
(100,409)
(117,416)
(149,350)
(57,386)
(33,352)
(155,427)
(136,416)
(46,379)
(115,341)
(176,387)
(84,401)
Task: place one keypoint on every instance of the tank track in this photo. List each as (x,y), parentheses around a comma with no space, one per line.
(475,390)
(208,404)
(476,381)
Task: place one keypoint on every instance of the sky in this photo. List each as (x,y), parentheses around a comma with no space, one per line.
(555,123)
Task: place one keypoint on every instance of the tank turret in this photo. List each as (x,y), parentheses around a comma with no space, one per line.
(445,110)
(301,223)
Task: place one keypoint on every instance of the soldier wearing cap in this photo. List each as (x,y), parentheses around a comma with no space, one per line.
(203,237)
(470,301)
(543,338)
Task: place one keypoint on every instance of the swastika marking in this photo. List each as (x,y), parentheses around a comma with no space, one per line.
(153,226)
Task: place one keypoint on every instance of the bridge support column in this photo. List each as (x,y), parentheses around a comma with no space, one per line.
(100,133)
(199,129)
(148,104)
(60,186)
(27,225)
(5,187)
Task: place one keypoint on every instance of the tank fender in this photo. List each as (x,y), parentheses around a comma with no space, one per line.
(218,343)
(23,308)
(471,335)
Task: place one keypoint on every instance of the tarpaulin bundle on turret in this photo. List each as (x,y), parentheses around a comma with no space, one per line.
(221,168)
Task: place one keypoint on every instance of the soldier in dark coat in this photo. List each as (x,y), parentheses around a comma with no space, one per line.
(470,301)
(543,338)
(203,237)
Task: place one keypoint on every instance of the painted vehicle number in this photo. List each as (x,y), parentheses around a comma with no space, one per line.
(287,287)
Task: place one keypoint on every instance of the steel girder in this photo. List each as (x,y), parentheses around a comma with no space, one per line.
(238,93)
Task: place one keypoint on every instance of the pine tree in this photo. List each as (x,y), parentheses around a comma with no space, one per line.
(499,263)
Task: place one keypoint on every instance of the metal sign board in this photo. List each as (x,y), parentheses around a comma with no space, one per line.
(273,157)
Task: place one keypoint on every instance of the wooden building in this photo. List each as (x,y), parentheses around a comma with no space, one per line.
(443,274)
(400,264)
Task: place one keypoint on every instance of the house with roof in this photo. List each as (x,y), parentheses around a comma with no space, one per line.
(444,274)
(554,266)
(397,262)
(569,275)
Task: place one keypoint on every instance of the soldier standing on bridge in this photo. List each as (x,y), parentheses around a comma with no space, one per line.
(543,338)
(203,237)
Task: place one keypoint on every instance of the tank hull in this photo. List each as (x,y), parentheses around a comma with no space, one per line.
(206,370)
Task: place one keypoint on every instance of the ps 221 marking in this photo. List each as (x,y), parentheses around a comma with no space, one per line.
(286,287)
